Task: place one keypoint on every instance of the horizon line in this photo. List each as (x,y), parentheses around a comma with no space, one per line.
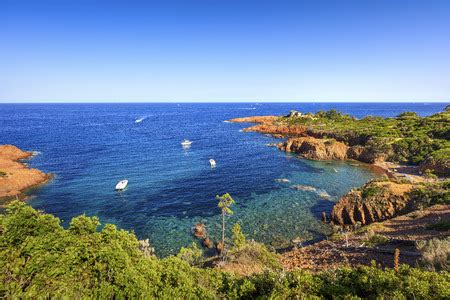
(209,102)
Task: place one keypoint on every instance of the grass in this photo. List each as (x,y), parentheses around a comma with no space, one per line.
(371,191)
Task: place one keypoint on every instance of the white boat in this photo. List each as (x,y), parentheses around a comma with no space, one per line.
(212,162)
(139,120)
(186,143)
(121,185)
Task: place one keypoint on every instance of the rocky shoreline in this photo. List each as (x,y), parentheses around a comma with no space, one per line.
(309,143)
(384,208)
(15,176)
(352,208)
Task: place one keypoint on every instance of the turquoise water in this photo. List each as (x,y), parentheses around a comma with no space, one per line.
(90,147)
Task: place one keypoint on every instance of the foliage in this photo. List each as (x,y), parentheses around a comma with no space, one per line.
(443,225)
(361,282)
(193,255)
(435,254)
(429,174)
(238,237)
(225,202)
(428,194)
(406,138)
(41,259)
(3,174)
(370,191)
(407,114)
(375,239)
(253,255)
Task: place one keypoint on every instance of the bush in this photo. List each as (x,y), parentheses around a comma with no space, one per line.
(372,239)
(430,194)
(440,226)
(238,237)
(429,174)
(436,254)
(193,255)
(371,191)
(41,259)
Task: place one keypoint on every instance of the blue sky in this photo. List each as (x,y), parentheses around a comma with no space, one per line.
(224,50)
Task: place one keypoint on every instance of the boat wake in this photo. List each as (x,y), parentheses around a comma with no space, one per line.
(140,119)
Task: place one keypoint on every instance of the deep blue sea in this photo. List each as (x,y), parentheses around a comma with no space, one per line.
(90,147)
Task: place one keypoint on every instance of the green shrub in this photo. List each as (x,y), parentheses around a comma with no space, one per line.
(41,259)
(440,226)
(238,237)
(375,240)
(371,191)
(429,194)
(254,254)
(193,255)
(435,254)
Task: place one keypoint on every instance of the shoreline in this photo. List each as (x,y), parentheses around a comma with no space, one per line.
(349,245)
(265,125)
(15,176)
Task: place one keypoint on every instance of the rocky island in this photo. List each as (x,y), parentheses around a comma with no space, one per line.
(15,176)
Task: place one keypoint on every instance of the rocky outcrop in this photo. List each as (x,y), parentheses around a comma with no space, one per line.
(312,143)
(365,154)
(317,149)
(269,125)
(15,177)
(199,230)
(329,149)
(374,202)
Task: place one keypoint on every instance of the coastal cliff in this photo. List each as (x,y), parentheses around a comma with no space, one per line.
(416,145)
(15,177)
(407,139)
(374,202)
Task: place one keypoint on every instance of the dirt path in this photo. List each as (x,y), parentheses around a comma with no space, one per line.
(401,232)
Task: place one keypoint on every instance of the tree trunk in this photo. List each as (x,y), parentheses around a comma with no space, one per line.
(223,231)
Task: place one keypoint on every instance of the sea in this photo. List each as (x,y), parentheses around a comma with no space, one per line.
(90,147)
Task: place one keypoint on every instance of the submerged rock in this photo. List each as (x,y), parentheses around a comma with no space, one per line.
(207,243)
(199,230)
(307,188)
(323,194)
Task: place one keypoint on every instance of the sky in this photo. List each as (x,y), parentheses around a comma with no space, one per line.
(224,50)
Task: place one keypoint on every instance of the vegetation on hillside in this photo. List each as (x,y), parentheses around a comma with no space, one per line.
(431,193)
(407,138)
(39,259)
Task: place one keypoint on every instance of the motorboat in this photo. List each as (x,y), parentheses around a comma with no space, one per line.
(186,143)
(212,162)
(121,185)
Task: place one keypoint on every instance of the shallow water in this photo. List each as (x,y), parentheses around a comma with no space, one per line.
(90,147)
